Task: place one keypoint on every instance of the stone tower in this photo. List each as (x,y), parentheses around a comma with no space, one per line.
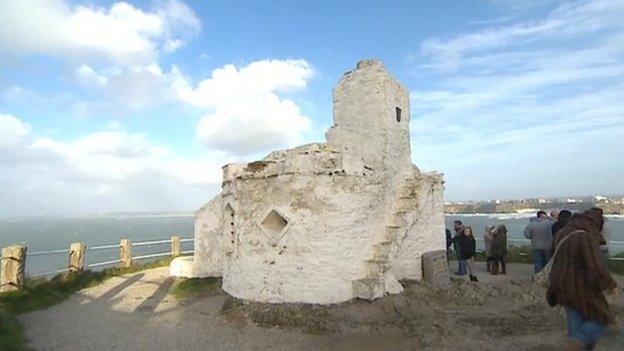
(326,222)
(371,118)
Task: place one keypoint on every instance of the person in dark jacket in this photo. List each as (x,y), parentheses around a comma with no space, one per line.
(499,249)
(458,227)
(564,217)
(467,248)
(449,243)
(579,277)
(488,236)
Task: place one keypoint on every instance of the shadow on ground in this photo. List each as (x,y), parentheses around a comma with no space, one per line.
(138,312)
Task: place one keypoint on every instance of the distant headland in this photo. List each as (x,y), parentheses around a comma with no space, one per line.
(610,205)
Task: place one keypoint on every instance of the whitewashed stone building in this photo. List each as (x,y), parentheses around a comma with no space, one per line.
(326,222)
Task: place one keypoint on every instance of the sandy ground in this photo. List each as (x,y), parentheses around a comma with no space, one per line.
(135,312)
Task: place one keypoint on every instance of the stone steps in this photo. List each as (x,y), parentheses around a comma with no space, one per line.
(373,284)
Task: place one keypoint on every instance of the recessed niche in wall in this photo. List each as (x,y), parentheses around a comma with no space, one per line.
(274,223)
(398,114)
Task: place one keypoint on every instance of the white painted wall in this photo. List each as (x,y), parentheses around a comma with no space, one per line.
(338,200)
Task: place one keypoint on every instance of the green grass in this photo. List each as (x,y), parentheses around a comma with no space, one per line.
(195,287)
(515,254)
(617,266)
(39,294)
(11,332)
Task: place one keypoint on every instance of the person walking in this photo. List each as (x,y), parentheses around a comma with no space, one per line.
(449,243)
(578,279)
(467,249)
(487,243)
(539,231)
(499,249)
(458,228)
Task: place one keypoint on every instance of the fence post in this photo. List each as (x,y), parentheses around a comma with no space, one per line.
(175,246)
(76,256)
(125,253)
(12,268)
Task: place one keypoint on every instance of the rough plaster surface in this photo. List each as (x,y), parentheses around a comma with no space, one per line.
(326,222)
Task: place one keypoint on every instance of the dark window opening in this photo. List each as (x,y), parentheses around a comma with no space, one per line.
(398,114)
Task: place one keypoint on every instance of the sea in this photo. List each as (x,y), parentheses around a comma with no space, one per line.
(50,234)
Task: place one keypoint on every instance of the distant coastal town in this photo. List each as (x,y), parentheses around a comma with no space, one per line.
(610,205)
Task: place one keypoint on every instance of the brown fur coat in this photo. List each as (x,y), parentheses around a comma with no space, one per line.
(579,275)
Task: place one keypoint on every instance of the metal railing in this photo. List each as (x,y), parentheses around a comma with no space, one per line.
(15,270)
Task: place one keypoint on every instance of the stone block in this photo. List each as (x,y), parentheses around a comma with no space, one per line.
(435,267)
(368,288)
(76,256)
(12,268)
(183,267)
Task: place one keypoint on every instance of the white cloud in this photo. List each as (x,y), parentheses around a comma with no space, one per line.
(11,130)
(245,109)
(121,33)
(529,109)
(87,76)
(100,171)
(247,113)
(131,87)
(568,20)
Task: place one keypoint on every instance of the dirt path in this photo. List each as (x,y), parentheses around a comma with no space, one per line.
(135,312)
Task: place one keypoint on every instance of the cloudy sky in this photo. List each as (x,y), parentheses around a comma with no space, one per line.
(134,106)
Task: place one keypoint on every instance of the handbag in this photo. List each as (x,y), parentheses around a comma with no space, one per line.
(542,277)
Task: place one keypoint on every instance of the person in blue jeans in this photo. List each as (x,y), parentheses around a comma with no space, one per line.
(458,228)
(579,278)
(539,231)
(467,250)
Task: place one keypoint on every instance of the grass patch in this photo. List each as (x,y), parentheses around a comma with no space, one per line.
(37,294)
(11,332)
(617,266)
(515,254)
(195,287)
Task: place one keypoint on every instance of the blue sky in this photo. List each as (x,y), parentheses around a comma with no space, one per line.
(134,106)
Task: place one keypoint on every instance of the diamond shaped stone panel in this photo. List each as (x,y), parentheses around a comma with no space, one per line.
(274,225)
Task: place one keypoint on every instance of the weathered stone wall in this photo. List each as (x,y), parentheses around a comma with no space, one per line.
(208,239)
(316,255)
(426,232)
(324,223)
(365,118)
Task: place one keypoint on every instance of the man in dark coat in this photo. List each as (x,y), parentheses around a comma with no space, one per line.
(579,277)
(458,227)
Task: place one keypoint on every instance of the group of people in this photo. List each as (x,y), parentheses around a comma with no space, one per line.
(543,228)
(464,245)
(574,248)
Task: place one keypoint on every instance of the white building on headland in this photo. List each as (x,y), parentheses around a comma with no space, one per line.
(326,222)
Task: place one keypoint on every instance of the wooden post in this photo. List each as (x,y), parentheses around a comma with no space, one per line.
(175,246)
(76,257)
(125,253)
(12,268)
